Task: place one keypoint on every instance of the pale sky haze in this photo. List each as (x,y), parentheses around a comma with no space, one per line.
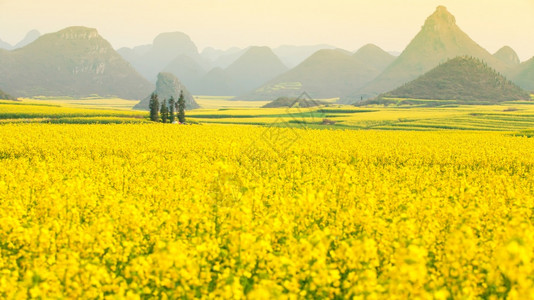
(348,24)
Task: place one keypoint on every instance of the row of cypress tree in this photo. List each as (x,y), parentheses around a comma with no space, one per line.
(167,110)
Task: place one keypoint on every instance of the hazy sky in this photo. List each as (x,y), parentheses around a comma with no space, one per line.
(348,24)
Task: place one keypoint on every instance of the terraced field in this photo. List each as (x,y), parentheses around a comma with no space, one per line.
(506,117)
(509,116)
(49,112)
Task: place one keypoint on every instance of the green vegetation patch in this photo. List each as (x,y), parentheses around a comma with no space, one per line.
(465,79)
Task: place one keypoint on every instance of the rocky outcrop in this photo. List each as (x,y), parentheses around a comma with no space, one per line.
(169,86)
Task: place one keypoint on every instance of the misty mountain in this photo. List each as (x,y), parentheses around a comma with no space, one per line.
(131,54)
(439,40)
(508,56)
(374,56)
(294,55)
(523,75)
(255,67)
(326,74)
(5,45)
(5,96)
(466,79)
(152,59)
(212,54)
(215,83)
(28,39)
(168,86)
(222,58)
(188,70)
(76,62)
(288,54)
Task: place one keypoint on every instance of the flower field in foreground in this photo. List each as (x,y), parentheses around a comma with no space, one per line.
(153,210)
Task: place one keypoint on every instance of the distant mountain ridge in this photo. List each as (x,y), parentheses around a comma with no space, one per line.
(215,83)
(5,45)
(149,60)
(222,58)
(253,68)
(523,75)
(326,74)
(131,54)
(75,62)
(439,39)
(508,56)
(236,70)
(463,78)
(291,55)
(374,56)
(188,70)
(28,39)
(256,66)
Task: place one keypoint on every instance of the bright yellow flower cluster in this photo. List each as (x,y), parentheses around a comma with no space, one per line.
(157,210)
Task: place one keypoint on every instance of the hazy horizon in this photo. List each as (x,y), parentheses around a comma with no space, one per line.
(217,23)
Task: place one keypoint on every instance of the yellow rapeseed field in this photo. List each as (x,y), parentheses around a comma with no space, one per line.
(136,211)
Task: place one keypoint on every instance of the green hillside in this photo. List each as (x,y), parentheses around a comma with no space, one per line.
(75,62)
(440,39)
(326,74)
(466,79)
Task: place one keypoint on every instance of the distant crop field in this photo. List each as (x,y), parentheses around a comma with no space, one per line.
(281,86)
(510,116)
(54,112)
(216,102)
(92,102)
(506,117)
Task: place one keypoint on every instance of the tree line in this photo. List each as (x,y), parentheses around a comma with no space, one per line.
(167,110)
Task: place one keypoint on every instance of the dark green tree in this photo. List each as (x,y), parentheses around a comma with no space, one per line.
(164,111)
(172,103)
(181,108)
(154,107)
